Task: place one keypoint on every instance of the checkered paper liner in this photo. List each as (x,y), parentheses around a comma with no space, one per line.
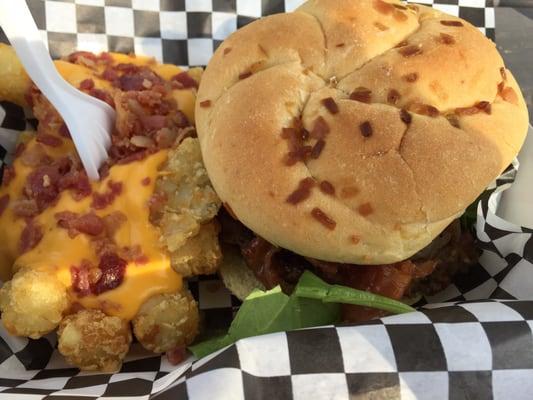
(478,345)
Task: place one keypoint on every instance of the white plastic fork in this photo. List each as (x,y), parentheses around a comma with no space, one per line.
(89,120)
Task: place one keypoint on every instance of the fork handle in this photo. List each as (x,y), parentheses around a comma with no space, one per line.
(19,26)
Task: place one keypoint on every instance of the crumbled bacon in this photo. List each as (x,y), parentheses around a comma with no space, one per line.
(365,209)
(49,140)
(35,156)
(178,354)
(410,51)
(77,182)
(185,80)
(245,75)
(323,218)
(366,129)
(451,23)
(102,95)
(361,94)
(30,236)
(113,270)
(153,122)
(4,201)
(89,224)
(320,128)
(42,185)
(25,208)
(82,57)
(509,95)
(405,116)
(109,74)
(113,222)
(330,105)
(102,200)
(444,38)
(87,84)
(303,192)
(411,77)
(424,109)
(327,188)
(393,96)
(80,278)
(317,149)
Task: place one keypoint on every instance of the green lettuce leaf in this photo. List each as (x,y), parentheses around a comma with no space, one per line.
(313,303)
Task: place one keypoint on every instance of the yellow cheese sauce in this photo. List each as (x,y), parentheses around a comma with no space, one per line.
(59,252)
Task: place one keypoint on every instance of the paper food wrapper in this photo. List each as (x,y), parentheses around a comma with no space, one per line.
(471,341)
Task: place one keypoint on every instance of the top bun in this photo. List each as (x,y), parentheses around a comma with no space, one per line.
(412,109)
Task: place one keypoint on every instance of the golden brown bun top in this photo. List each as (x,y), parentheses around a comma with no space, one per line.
(436,117)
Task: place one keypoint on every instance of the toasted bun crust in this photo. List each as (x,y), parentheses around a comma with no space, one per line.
(396,189)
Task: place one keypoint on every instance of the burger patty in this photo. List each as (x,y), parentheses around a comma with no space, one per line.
(425,273)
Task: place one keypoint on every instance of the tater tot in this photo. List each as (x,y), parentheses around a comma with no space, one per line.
(166,321)
(200,254)
(93,341)
(33,303)
(15,81)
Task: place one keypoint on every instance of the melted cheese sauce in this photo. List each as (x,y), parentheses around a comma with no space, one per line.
(59,252)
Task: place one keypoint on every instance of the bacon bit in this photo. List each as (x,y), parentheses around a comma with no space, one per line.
(113,222)
(102,95)
(401,44)
(78,183)
(245,75)
(43,190)
(30,236)
(411,77)
(330,105)
(35,156)
(340,45)
(49,140)
(205,103)
(467,110)
(87,84)
(146,181)
(503,73)
(399,6)
(102,200)
(381,27)
(348,192)
(509,95)
(405,116)
(4,201)
(366,129)
(63,131)
(320,128)
(411,50)
(230,211)
(302,192)
(153,122)
(399,16)
(361,94)
(393,96)
(444,38)
(83,57)
(484,106)
(227,50)
(451,23)
(80,278)
(424,109)
(327,188)
(176,355)
(317,149)
(354,239)
(323,218)
(109,74)
(25,208)
(113,270)
(383,7)
(185,80)
(89,224)
(365,209)
(452,119)
(7,175)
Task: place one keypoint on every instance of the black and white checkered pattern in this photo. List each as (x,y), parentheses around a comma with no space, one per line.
(459,350)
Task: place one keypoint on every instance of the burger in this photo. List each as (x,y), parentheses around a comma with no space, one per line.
(348,137)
